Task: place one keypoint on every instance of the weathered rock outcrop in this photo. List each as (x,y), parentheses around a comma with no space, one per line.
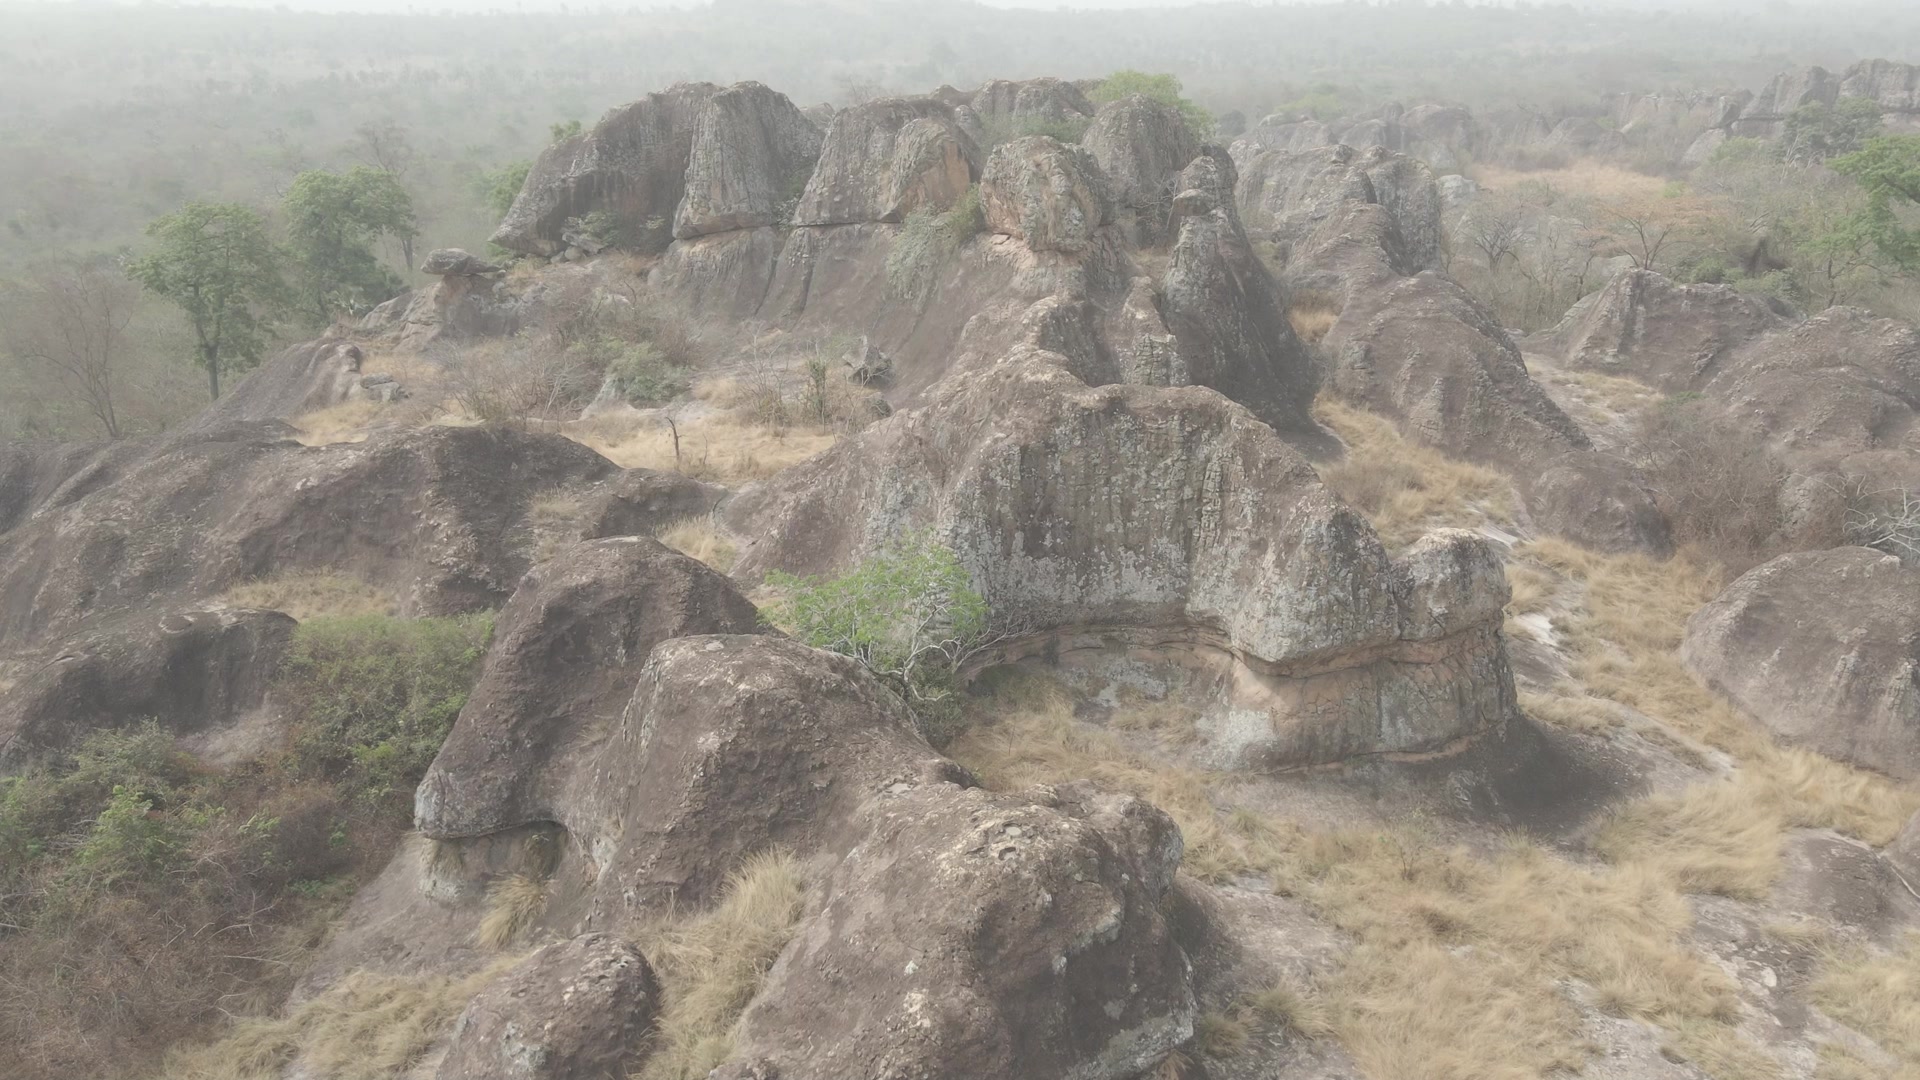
(1425,353)
(752,155)
(575,1010)
(1599,501)
(1090,516)
(1670,336)
(1042,101)
(297,380)
(1904,853)
(565,653)
(1015,936)
(191,671)
(882,160)
(1822,647)
(1142,145)
(437,516)
(1312,206)
(37,476)
(1224,310)
(1050,195)
(632,165)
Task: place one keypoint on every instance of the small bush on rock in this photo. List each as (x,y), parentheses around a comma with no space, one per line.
(909,614)
(928,241)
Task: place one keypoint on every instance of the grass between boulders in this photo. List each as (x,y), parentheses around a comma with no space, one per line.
(1406,489)
(309,594)
(148,896)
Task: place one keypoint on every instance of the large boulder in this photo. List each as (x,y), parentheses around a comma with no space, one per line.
(1093,517)
(1823,648)
(884,159)
(1223,308)
(1599,501)
(194,672)
(439,517)
(1050,195)
(753,152)
(1423,352)
(989,936)
(297,380)
(1007,104)
(1141,145)
(565,653)
(632,165)
(574,1010)
(1313,205)
(1670,336)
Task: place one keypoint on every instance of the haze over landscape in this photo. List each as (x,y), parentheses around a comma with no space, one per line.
(763,540)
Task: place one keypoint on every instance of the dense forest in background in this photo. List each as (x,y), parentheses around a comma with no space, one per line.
(118,115)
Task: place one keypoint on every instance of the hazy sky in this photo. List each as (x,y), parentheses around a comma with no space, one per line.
(630,5)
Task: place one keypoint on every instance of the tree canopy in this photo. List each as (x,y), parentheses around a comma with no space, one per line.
(216,262)
(333,221)
(1163,88)
(1888,170)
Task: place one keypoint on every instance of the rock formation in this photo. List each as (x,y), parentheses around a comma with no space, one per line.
(1822,647)
(574,1009)
(1644,326)
(882,160)
(1141,145)
(1052,197)
(752,154)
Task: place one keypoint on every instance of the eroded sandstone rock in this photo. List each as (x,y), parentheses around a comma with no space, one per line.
(1141,145)
(882,160)
(1670,336)
(752,154)
(575,1010)
(566,651)
(1050,195)
(1822,647)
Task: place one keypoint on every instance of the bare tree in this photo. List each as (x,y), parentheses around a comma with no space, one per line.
(67,327)
(1497,228)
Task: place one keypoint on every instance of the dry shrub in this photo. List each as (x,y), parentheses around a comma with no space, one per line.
(513,903)
(367,1026)
(1312,315)
(308,594)
(1715,481)
(699,537)
(712,964)
(1406,489)
(516,381)
(1532,591)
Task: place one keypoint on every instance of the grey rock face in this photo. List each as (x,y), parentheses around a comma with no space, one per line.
(1223,308)
(752,154)
(457,263)
(574,1010)
(1170,511)
(632,165)
(1043,100)
(1670,336)
(882,160)
(1601,502)
(1306,204)
(1141,145)
(565,653)
(1050,195)
(1822,647)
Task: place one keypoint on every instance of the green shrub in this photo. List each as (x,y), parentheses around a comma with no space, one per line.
(1162,88)
(641,374)
(908,613)
(372,697)
(1003,129)
(928,241)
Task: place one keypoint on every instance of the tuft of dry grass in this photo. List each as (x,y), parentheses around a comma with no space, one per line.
(699,537)
(342,423)
(366,1027)
(1312,315)
(1565,707)
(513,903)
(711,965)
(1406,489)
(308,594)
(1283,1005)
(1877,994)
(1719,837)
(1222,1034)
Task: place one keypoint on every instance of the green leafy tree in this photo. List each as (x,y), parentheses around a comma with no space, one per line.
(1162,88)
(1888,170)
(216,263)
(333,220)
(1816,132)
(908,613)
(499,187)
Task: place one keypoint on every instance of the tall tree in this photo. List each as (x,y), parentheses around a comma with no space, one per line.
(67,327)
(333,220)
(385,145)
(216,263)
(1888,170)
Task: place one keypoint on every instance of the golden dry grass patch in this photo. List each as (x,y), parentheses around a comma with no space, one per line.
(700,537)
(346,422)
(1404,488)
(513,903)
(309,594)
(723,449)
(712,964)
(1581,180)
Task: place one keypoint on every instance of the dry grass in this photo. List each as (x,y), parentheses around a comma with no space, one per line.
(1580,180)
(1406,489)
(513,903)
(366,1027)
(711,965)
(1532,589)
(1877,994)
(1312,315)
(1564,706)
(1620,396)
(724,449)
(307,594)
(342,423)
(1459,957)
(699,537)
(555,518)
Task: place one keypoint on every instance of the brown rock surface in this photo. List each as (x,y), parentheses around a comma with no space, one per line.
(883,159)
(1049,195)
(1670,336)
(1142,145)
(752,154)
(575,1010)
(566,650)
(1823,648)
